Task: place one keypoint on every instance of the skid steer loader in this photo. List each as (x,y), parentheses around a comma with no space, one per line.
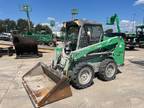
(87,50)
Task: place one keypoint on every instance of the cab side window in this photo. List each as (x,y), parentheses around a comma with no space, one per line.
(93,32)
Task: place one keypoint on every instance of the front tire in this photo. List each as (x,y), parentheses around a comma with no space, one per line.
(83,76)
(107,70)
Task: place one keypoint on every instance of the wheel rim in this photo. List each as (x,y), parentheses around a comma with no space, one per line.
(110,70)
(51,44)
(84,76)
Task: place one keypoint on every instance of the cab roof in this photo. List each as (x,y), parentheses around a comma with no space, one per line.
(81,22)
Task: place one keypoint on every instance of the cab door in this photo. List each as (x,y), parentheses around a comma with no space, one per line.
(91,34)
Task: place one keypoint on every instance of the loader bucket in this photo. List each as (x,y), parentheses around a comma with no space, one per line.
(45,85)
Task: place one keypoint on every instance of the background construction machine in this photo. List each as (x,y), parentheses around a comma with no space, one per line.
(42,38)
(26,43)
(131,40)
(140,35)
(6,50)
(87,51)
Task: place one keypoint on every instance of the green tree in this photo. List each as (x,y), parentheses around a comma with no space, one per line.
(9,25)
(22,25)
(1,26)
(46,29)
(39,28)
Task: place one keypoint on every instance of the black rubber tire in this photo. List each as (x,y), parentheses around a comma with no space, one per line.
(40,43)
(131,47)
(140,46)
(102,70)
(10,52)
(40,55)
(51,44)
(75,80)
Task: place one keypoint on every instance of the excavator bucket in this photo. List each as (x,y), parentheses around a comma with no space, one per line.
(45,85)
(25,47)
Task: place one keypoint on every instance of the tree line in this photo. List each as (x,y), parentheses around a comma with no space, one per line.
(21,25)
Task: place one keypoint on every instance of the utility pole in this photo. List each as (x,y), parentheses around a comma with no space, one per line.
(133,20)
(6,27)
(143,20)
(27,9)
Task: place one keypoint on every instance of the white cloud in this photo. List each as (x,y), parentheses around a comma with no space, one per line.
(127,25)
(56,28)
(125,21)
(51,18)
(45,24)
(58,24)
(139,2)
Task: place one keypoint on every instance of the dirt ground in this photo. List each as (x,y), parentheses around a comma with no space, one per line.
(126,91)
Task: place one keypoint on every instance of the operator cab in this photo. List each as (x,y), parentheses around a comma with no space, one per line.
(81,33)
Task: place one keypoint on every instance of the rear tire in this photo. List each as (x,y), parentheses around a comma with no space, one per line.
(83,76)
(107,70)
